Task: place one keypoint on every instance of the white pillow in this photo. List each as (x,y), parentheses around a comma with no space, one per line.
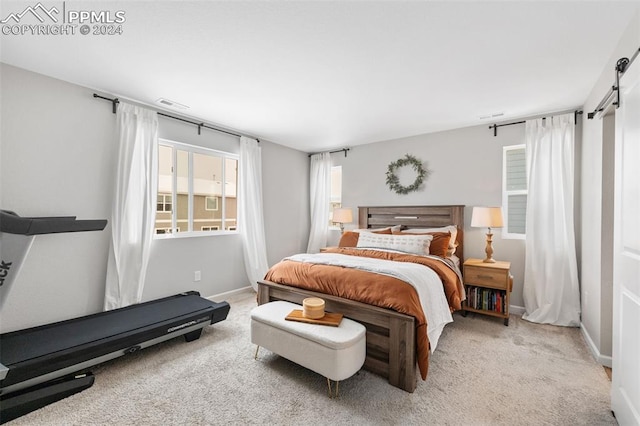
(415,244)
(452,229)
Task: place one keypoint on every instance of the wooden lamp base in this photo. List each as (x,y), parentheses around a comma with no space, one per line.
(489,249)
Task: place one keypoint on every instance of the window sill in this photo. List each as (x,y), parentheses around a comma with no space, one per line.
(193,235)
(506,236)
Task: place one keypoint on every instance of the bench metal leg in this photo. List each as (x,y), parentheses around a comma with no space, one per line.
(256,355)
(330,391)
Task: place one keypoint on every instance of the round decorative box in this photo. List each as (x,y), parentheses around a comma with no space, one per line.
(313,308)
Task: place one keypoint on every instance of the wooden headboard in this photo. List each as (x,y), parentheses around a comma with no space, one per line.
(415,217)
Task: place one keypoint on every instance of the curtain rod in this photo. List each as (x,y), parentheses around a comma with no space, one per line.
(333,152)
(116,101)
(495,126)
(621,66)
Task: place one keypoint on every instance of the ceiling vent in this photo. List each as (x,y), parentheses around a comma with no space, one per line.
(494,115)
(171,104)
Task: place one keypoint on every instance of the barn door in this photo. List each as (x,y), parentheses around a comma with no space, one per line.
(625,389)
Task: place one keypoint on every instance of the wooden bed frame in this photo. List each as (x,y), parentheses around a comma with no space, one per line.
(391,340)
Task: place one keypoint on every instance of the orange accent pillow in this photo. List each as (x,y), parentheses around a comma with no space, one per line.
(350,238)
(439,245)
(382,231)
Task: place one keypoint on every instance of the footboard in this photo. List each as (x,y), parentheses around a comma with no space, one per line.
(391,340)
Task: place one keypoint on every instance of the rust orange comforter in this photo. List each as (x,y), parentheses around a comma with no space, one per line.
(371,288)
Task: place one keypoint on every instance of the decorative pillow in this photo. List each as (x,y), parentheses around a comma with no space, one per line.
(350,238)
(452,229)
(415,244)
(439,245)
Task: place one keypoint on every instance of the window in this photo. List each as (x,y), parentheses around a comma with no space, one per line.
(211,203)
(335,200)
(197,190)
(164,203)
(514,191)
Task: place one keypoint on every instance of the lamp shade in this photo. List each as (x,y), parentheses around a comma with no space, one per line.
(342,216)
(487,217)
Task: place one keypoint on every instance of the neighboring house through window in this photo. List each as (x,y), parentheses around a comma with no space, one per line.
(197,190)
(164,203)
(514,191)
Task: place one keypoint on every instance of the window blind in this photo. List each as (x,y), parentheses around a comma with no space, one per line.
(515,189)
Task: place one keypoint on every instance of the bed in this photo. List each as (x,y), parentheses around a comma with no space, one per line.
(393,342)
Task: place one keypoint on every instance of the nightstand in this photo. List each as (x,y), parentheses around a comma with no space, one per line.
(488,287)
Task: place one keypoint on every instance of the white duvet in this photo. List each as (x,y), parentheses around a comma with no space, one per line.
(426,282)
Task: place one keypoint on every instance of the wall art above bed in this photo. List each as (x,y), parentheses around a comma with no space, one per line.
(407,161)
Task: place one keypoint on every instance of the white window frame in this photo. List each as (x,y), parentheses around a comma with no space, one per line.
(506,193)
(194,149)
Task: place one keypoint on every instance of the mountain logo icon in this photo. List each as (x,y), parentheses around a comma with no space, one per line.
(39,11)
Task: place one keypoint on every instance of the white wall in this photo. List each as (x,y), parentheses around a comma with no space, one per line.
(466,168)
(57,157)
(596,293)
(173,261)
(286,198)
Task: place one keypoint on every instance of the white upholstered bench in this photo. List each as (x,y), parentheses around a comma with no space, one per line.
(334,352)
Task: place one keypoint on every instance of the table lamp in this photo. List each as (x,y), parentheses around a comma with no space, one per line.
(487,217)
(342,216)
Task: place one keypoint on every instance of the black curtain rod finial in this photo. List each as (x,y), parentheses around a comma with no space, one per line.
(114,102)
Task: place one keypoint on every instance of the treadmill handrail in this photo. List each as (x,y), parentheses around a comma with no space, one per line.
(11,223)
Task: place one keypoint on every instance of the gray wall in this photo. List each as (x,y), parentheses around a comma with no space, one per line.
(57,157)
(466,168)
(597,223)
(286,198)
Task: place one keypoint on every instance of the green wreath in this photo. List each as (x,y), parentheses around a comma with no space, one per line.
(394,182)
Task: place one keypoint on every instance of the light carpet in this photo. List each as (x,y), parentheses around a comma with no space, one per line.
(482,373)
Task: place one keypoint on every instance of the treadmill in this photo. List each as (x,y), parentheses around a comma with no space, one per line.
(44,364)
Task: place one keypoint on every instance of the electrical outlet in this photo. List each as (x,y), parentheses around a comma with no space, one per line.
(196,276)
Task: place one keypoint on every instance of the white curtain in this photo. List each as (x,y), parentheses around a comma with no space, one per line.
(133,215)
(319,194)
(551,289)
(250,213)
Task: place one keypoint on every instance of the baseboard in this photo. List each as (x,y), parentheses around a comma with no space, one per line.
(600,359)
(228,294)
(518,310)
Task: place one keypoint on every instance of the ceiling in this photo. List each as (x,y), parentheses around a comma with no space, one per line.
(319,75)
